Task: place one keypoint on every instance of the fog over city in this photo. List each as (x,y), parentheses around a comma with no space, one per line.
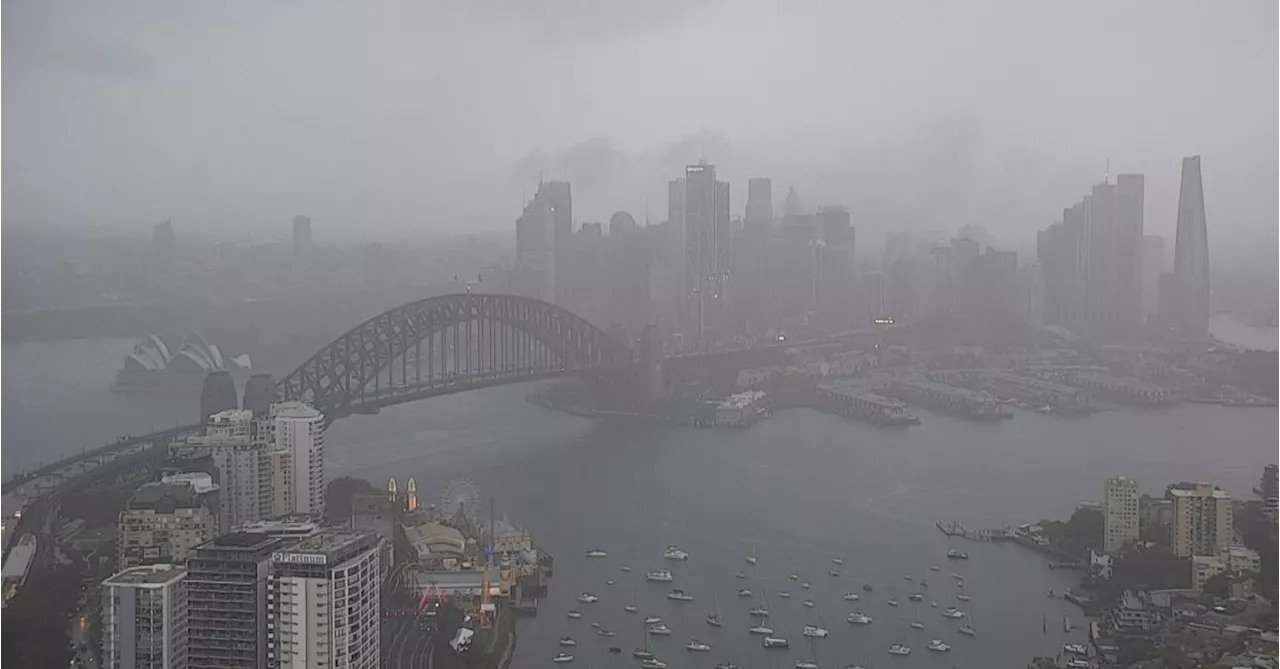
(407,120)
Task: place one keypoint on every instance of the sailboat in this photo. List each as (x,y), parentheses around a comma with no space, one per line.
(916,624)
(811,663)
(967,628)
(631,608)
(713,619)
(751,559)
(643,653)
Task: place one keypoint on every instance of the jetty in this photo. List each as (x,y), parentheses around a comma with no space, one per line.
(954,529)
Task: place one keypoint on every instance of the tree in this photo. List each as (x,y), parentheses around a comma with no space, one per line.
(339,493)
(1218,585)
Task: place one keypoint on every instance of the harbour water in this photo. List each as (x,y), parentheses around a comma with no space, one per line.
(802,486)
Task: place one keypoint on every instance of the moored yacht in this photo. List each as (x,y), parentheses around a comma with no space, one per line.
(739,575)
(833,574)
(660,576)
(805,585)
(809,603)
(899,649)
(596,553)
(562,657)
(957,555)
(794,576)
(784,594)
(652,620)
(915,596)
(744,593)
(938,646)
(680,596)
(859,619)
(697,646)
(815,631)
(653,663)
(567,641)
(806,664)
(713,619)
(762,628)
(726,665)
(607,633)
(953,612)
(630,608)
(760,611)
(966,630)
(588,598)
(934,567)
(776,642)
(962,597)
(626,569)
(917,625)
(837,560)
(660,630)
(851,597)
(673,552)
(893,602)
(575,614)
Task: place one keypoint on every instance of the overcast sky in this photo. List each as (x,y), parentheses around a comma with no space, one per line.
(385,119)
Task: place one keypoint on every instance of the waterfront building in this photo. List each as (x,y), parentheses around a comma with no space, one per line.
(163,522)
(227,601)
(1191,257)
(1202,520)
(144,618)
(299,434)
(1120,512)
(507,538)
(324,602)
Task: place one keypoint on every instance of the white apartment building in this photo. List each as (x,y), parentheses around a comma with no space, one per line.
(1202,520)
(234,423)
(163,522)
(299,431)
(1120,512)
(144,618)
(324,603)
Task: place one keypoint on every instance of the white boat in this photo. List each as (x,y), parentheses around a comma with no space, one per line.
(751,559)
(915,597)
(566,641)
(1078,663)
(784,594)
(833,574)
(575,614)
(805,585)
(809,603)
(562,657)
(674,553)
(966,630)
(917,625)
(652,620)
(713,619)
(606,633)
(661,576)
(596,625)
(859,619)
(653,663)
(760,611)
(893,602)
(643,653)
(794,576)
(776,642)
(1075,648)
(938,646)
(680,596)
(660,630)
(806,664)
(934,603)
(739,575)
(962,597)
(744,593)
(953,613)
(837,560)
(934,567)
(596,553)
(815,631)
(626,569)
(957,555)
(899,649)
(956,576)
(696,646)
(588,598)
(609,582)
(908,577)
(726,665)
(631,606)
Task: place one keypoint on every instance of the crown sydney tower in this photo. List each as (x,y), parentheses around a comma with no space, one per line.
(1191,257)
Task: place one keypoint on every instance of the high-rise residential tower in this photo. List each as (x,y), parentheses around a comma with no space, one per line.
(299,433)
(1191,257)
(227,601)
(1120,513)
(144,618)
(1202,520)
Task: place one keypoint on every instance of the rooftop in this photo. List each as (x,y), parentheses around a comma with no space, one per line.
(155,576)
(294,409)
(239,541)
(1201,490)
(165,497)
(328,546)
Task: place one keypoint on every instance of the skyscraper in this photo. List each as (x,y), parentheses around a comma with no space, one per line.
(299,432)
(559,201)
(162,238)
(706,248)
(227,601)
(759,204)
(1152,266)
(536,250)
(144,618)
(1120,513)
(1191,257)
(1124,318)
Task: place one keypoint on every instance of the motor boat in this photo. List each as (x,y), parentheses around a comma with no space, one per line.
(661,576)
(866,587)
(696,646)
(575,614)
(567,641)
(739,575)
(744,593)
(899,649)
(956,576)
(596,553)
(607,633)
(908,577)
(893,602)
(653,663)
(588,598)
(815,631)
(837,560)
(809,603)
(917,625)
(915,597)
(1078,663)
(934,603)
(938,646)
(784,594)
(776,642)
(652,620)
(957,555)
(953,613)
(596,625)
(762,628)
(966,630)
(562,657)
(805,585)
(934,567)
(833,574)
(760,611)
(641,654)
(626,569)
(794,576)
(609,582)
(660,630)
(962,597)
(859,619)
(851,597)
(680,596)
(674,553)
(1075,648)
(806,664)
(726,665)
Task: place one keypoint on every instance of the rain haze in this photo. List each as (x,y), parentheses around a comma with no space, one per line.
(411,119)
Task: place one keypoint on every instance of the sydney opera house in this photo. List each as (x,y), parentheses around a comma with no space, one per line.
(153,367)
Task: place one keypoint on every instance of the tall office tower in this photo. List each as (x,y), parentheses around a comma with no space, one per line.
(964,276)
(901,299)
(792,206)
(217,394)
(1120,513)
(1125,317)
(838,309)
(943,292)
(1191,256)
(164,522)
(759,204)
(1269,491)
(1061,251)
(1152,267)
(301,235)
(536,250)
(873,297)
(299,432)
(227,602)
(1031,294)
(706,249)
(996,284)
(672,246)
(259,393)
(324,605)
(144,618)
(896,245)
(162,239)
(559,204)
(1100,258)
(1202,520)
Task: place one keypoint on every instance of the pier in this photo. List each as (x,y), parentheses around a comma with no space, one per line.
(851,400)
(955,529)
(946,398)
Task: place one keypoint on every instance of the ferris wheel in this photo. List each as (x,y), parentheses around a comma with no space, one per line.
(461,496)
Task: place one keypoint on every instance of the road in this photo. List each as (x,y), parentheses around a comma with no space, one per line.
(405,645)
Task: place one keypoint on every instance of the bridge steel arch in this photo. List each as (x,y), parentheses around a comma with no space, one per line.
(449,344)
